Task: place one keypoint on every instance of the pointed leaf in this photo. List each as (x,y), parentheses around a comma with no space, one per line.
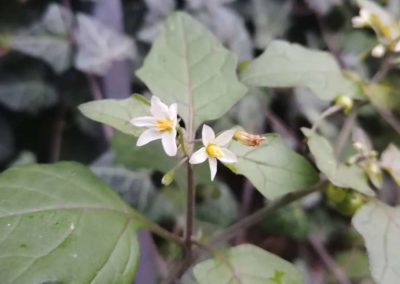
(291,65)
(189,66)
(117,113)
(272,168)
(379,224)
(60,223)
(247,264)
(339,174)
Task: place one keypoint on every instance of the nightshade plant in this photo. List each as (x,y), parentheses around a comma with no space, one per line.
(60,224)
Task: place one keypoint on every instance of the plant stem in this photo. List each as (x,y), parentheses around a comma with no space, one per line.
(190,205)
(328,261)
(384,69)
(160,231)
(346,130)
(262,213)
(329,111)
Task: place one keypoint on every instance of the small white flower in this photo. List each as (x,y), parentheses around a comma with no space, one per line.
(364,19)
(162,125)
(213,149)
(378,51)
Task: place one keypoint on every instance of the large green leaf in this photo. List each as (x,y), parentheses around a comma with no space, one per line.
(379,224)
(272,168)
(117,113)
(189,66)
(290,65)
(60,224)
(247,264)
(339,174)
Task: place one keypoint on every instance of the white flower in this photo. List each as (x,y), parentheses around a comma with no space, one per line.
(378,51)
(213,149)
(363,20)
(162,125)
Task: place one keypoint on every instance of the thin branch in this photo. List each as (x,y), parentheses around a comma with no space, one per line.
(257,216)
(390,119)
(385,67)
(190,204)
(346,130)
(160,231)
(97,95)
(328,261)
(329,111)
(247,197)
(281,127)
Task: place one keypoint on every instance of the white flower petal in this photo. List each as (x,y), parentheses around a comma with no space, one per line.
(229,157)
(199,156)
(207,135)
(213,167)
(173,111)
(357,22)
(225,137)
(158,109)
(143,121)
(169,142)
(148,136)
(378,51)
(397,47)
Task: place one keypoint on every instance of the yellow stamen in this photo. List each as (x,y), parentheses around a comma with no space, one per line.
(214,151)
(164,125)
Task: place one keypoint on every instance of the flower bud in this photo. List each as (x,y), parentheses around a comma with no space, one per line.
(345,102)
(168,178)
(247,138)
(378,51)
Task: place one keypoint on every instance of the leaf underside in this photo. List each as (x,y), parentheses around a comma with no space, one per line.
(379,224)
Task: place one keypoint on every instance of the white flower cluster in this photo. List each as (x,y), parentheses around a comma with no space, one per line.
(385,26)
(163,125)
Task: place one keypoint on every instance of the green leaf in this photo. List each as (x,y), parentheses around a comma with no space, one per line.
(291,65)
(390,161)
(339,174)
(60,223)
(384,96)
(150,156)
(247,264)
(117,113)
(272,168)
(379,224)
(189,66)
(354,263)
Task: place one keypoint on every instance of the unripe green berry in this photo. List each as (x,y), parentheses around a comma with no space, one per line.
(344,101)
(335,194)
